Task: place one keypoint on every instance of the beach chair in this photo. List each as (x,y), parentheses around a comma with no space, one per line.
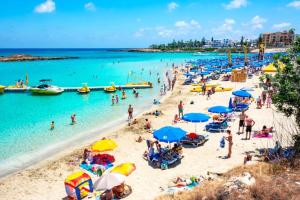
(240,107)
(216,126)
(193,139)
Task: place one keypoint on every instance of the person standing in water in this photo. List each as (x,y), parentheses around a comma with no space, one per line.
(52,126)
(130,113)
(113,100)
(123,94)
(73,119)
(230,143)
(117,98)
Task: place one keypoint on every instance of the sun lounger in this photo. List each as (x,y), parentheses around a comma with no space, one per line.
(216,126)
(193,139)
(240,107)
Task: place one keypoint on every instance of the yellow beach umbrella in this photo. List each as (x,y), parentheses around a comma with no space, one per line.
(272,68)
(124,168)
(104,145)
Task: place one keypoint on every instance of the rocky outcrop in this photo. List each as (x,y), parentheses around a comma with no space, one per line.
(23,57)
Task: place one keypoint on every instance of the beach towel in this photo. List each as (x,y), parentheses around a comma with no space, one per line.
(222,142)
(269,136)
(174,189)
(95,168)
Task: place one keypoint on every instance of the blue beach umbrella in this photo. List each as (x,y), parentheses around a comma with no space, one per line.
(196,118)
(188,74)
(241,93)
(227,70)
(219,109)
(169,134)
(203,73)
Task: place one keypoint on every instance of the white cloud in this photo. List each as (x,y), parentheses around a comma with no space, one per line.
(172,6)
(164,32)
(47,7)
(236,4)
(140,32)
(195,24)
(257,22)
(181,24)
(295,4)
(282,25)
(90,6)
(226,27)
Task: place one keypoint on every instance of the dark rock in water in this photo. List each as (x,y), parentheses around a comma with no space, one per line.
(23,57)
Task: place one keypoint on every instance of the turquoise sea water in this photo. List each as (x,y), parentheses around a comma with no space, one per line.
(25,119)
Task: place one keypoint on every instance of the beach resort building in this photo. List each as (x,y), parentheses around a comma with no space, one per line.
(278,39)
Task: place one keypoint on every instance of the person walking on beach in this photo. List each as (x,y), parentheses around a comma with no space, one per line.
(249,122)
(173,82)
(203,89)
(130,114)
(117,98)
(165,88)
(73,119)
(264,97)
(180,109)
(269,101)
(209,94)
(230,143)
(242,117)
(52,126)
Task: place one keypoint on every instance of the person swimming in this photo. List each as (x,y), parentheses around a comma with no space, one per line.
(52,126)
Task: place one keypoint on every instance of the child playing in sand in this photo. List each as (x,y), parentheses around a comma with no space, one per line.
(148,124)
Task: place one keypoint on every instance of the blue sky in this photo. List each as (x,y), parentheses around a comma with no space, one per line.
(138,23)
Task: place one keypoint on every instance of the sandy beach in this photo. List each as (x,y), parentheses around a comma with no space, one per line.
(45,180)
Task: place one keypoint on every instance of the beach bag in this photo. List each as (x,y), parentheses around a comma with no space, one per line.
(164,165)
(222,142)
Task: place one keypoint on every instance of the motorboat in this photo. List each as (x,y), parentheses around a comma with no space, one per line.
(46,89)
(111,88)
(2,87)
(84,90)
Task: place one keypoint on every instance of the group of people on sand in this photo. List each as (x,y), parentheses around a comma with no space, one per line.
(264,99)
(73,121)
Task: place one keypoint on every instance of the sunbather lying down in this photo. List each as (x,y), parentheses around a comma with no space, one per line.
(265,131)
(181,182)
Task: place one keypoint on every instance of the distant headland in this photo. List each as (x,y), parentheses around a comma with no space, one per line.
(23,57)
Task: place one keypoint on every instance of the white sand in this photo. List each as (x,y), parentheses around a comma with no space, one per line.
(45,180)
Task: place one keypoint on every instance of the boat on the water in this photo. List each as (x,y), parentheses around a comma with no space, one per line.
(111,88)
(2,87)
(46,89)
(84,90)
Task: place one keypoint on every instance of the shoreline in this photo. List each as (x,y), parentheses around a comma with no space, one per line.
(85,138)
(52,171)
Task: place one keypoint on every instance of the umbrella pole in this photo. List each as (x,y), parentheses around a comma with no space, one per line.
(195,127)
